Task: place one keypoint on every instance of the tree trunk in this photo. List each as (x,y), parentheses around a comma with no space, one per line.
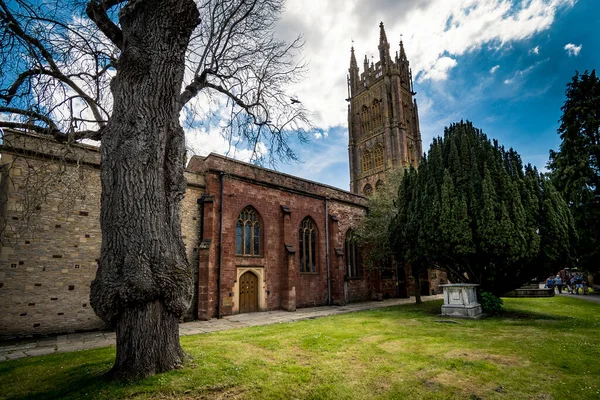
(144,282)
(417,275)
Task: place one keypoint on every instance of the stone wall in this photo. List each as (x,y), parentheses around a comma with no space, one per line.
(50,243)
(50,206)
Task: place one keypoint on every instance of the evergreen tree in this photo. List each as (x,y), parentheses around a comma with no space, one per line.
(576,165)
(473,210)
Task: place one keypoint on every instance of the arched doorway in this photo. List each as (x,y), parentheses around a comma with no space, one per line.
(248,293)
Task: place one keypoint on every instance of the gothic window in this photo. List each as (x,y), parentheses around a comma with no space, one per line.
(379,185)
(377,114)
(364,119)
(247,233)
(308,245)
(368,190)
(378,156)
(411,153)
(352,256)
(366,161)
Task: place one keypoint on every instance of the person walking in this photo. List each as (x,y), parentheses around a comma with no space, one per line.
(578,280)
(558,283)
(550,283)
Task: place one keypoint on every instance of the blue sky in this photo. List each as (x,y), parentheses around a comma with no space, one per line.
(502,64)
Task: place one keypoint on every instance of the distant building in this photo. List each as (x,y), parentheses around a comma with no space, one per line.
(383,120)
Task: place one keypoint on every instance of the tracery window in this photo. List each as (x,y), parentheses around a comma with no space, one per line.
(377,113)
(368,189)
(247,233)
(351,254)
(366,161)
(308,245)
(379,185)
(364,119)
(378,156)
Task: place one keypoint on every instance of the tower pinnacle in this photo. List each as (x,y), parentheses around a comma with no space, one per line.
(353,63)
(382,36)
(402,53)
(384,46)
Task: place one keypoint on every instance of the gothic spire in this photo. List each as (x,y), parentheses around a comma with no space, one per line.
(353,63)
(384,46)
(402,53)
(382,36)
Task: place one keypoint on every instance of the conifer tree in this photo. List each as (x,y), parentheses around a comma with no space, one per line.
(473,210)
(576,165)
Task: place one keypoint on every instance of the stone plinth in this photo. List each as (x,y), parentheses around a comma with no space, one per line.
(460,300)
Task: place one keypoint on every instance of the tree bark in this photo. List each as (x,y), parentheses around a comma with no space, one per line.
(144,282)
(417,275)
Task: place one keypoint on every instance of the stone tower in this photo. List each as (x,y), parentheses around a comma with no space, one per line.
(383,120)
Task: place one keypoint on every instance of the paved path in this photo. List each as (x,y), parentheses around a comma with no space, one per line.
(89,340)
(589,297)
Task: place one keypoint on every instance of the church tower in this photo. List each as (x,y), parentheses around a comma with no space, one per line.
(383,121)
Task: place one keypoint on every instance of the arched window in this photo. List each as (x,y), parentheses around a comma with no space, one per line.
(366,161)
(379,185)
(308,246)
(364,118)
(378,157)
(247,233)
(351,254)
(377,114)
(368,189)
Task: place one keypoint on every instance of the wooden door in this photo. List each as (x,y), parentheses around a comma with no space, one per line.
(248,293)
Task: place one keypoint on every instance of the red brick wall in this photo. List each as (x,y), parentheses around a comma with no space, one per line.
(267,192)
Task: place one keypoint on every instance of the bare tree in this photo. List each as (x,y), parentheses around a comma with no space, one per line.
(157,57)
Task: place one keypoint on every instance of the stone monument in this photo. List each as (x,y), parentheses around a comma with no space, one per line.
(460,300)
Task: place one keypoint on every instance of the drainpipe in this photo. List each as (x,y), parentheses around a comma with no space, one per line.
(327,252)
(222,178)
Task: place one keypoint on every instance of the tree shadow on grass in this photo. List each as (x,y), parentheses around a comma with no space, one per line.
(78,383)
(528,315)
(427,308)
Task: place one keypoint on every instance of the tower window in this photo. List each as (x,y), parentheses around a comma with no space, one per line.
(364,119)
(378,157)
(247,233)
(308,246)
(367,161)
(368,190)
(377,113)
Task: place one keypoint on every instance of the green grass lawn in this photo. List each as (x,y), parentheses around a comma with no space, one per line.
(538,349)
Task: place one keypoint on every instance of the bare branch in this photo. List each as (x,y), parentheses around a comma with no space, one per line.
(96,11)
(31,114)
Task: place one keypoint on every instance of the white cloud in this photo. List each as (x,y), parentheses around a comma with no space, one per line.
(321,134)
(494,69)
(520,74)
(573,50)
(201,141)
(439,71)
(435,33)
(535,50)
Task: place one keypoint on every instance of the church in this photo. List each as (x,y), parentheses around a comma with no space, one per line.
(257,239)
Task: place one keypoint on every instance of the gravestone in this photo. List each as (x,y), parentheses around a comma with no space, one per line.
(460,300)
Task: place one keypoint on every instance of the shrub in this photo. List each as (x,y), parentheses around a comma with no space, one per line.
(489,303)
